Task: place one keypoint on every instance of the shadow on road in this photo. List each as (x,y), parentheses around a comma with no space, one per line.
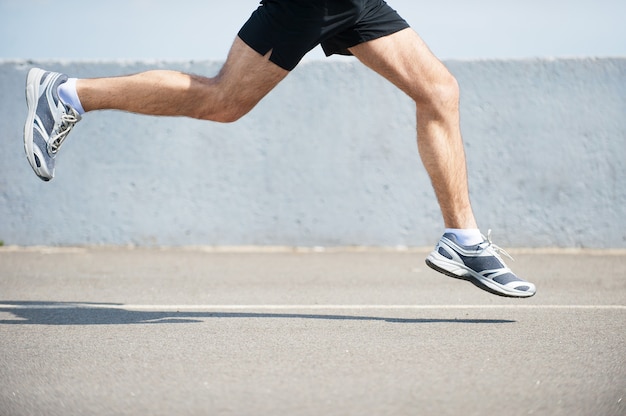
(80,313)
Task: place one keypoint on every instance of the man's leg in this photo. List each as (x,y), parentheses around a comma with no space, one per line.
(405,60)
(243,81)
(55,104)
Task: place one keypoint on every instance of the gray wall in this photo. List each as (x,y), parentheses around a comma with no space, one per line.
(329,158)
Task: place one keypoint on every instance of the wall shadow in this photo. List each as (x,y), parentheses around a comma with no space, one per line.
(84,313)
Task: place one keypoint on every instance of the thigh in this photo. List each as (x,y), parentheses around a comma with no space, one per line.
(247,77)
(405,60)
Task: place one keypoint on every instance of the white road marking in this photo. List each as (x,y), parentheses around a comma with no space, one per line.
(317,307)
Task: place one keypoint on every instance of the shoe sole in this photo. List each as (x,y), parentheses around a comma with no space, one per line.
(483,284)
(33,81)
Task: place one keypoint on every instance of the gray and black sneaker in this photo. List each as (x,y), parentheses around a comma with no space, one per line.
(480,264)
(49,120)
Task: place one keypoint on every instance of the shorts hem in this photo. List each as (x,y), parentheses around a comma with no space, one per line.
(344,49)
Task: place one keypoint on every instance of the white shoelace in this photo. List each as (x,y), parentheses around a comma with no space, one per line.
(67,123)
(496,249)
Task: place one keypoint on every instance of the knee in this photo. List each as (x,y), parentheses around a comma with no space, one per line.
(222,103)
(449,90)
(442,96)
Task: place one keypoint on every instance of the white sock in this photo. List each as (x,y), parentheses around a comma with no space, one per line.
(69,96)
(466,237)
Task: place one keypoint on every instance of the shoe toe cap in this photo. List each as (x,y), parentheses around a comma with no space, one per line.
(525,288)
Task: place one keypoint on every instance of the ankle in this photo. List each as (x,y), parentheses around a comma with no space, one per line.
(466,236)
(69,96)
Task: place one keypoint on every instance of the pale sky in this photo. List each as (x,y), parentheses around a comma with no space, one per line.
(204,29)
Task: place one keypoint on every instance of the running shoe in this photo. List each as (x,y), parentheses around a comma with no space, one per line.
(480,264)
(48,122)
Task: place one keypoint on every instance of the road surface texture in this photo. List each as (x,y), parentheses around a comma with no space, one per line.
(201,331)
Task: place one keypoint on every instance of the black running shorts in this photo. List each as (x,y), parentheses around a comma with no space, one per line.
(291,28)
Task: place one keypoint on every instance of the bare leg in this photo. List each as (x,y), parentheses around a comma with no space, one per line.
(405,60)
(243,81)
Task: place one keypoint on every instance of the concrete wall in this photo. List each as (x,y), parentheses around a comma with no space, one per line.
(329,158)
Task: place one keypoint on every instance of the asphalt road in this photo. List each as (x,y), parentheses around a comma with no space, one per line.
(116,331)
